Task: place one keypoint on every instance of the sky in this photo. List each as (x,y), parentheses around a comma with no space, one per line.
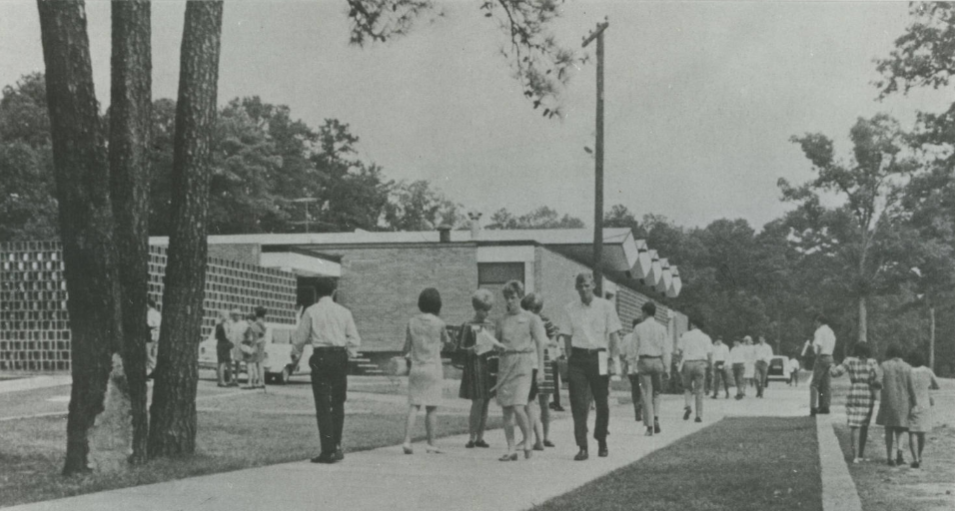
(701,97)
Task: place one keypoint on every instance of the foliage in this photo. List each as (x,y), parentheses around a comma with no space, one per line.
(416,207)
(540,218)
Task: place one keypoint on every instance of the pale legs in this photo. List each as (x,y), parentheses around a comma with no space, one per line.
(430,425)
(224,373)
(854,435)
(893,435)
(543,431)
(512,414)
(477,420)
(916,445)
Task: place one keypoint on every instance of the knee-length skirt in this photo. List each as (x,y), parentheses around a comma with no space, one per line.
(425,384)
(514,378)
(476,380)
(859,403)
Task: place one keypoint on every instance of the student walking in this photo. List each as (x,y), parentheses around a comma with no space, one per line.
(737,361)
(793,367)
(697,354)
(921,418)
(636,395)
(651,353)
(823,344)
(863,376)
(330,329)
(720,370)
(898,400)
(764,354)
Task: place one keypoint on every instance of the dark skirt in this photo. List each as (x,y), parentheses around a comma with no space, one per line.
(477,380)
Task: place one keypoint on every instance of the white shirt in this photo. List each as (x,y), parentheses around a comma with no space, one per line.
(650,339)
(720,352)
(824,340)
(326,324)
(793,365)
(153,320)
(764,352)
(590,326)
(738,354)
(695,345)
(749,354)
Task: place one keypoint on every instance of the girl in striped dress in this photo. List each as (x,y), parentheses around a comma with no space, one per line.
(863,374)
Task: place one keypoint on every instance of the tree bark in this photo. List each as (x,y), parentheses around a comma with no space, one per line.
(86,221)
(173,413)
(863,320)
(130,120)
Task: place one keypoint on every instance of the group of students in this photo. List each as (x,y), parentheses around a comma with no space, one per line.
(241,339)
(746,364)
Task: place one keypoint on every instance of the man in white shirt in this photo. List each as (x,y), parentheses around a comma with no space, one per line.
(650,352)
(589,328)
(764,353)
(696,349)
(737,363)
(626,345)
(793,368)
(720,372)
(330,329)
(153,322)
(823,344)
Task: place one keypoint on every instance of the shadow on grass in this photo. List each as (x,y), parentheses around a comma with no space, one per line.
(738,464)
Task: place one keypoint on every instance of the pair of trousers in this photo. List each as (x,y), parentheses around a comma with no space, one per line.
(585,379)
(329,386)
(739,371)
(820,388)
(719,374)
(762,373)
(651,383)
(694,373)
(556,368)
(636,395)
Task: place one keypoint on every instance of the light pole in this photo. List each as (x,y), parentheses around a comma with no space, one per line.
(306,201)
(598,34)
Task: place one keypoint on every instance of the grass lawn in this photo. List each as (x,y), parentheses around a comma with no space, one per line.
(884,488)
(737,464)
(235,432)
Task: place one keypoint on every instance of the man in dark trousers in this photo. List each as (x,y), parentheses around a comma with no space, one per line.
(589,329)
(330,329)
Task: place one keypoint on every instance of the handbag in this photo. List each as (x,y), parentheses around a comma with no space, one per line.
(247,349)
(399,366)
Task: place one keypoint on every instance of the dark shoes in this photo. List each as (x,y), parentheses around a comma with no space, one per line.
(656,425)
(556,407)
(469,445)
(823,411)
(482,444)
(581,455)
(899,460)
(602,450)
(813,412)
(548,443)
(915,464)
(686,413)
(698,419)
(338,455)
(327,458)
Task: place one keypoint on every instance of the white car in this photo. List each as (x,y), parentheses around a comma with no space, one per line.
(278,354)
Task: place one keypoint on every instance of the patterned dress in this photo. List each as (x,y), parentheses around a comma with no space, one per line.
(551,329)
(477,380)
(862,374)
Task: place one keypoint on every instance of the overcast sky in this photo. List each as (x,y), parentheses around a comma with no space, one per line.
(701,97)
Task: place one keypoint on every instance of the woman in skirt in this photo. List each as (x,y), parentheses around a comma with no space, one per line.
(477,380)
(540,417)
(898,399)
(863,374)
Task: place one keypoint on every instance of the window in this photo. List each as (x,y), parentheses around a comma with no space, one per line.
(499,273)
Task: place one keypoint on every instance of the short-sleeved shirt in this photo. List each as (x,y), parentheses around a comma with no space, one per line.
(650,339)
(695,345)
(720,352)
(825,339)
(590,326)
(738,354)
(326,324)
(764,353)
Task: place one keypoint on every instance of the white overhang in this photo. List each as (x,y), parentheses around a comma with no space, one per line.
(300,264)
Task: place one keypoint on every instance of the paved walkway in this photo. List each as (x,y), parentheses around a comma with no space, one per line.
(461,478)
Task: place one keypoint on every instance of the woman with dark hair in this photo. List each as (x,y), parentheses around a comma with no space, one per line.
(523,337)
(424,337)
(863,375)
(920,418)
(898,399)
(477,380)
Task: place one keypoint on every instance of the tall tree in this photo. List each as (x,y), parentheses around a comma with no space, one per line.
(86,222)
(130,120)
(540,218)
(871,185)
(416,207)
(173,413)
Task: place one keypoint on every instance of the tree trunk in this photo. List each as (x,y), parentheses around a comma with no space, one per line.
(86,221)
(129,137)
(863,322)
(173,412)
(931,338)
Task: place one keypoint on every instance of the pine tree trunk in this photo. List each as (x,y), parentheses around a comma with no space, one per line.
(173,412)
(86,222)
(863,320)
(129,137)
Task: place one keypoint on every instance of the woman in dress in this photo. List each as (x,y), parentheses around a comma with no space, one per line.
(863,375)
(523,337)
(262,337)
(898,399)
(920,418)
(476,382)
(539,413)
(224,350)
(749,352)
(424,338)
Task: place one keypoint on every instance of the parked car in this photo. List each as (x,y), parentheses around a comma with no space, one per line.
(278,355)
(778,369)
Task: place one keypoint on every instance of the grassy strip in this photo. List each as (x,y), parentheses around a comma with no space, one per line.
(737,464)
(234,433)
(884,488)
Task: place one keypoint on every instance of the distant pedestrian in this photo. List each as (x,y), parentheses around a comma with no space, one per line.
(737,361)
(237,334)
(764,354)
(636,395)
(477,380)
(921,418)
(720,369)
(651,353)
(224,350)
(823,344)
(153,323)
(539,412)
(898,400)
(425,337)
(696,349)
(523,338)
(589,329)
(330,329)
(793,367)
(261,336)
(863,376)
(749,360)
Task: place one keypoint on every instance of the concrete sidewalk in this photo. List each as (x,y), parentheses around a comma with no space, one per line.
(34,382)
(459,479)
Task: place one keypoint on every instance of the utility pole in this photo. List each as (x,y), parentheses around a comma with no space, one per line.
(598,34)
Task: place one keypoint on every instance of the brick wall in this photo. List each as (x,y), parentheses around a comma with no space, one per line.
(380,285)
(34,322)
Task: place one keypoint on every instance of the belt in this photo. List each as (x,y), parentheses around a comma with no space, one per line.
(328,348)
(514,352)
(694,360)
(586,351)
(649,356)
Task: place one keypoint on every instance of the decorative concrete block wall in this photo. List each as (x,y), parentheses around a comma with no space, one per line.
(34,322)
